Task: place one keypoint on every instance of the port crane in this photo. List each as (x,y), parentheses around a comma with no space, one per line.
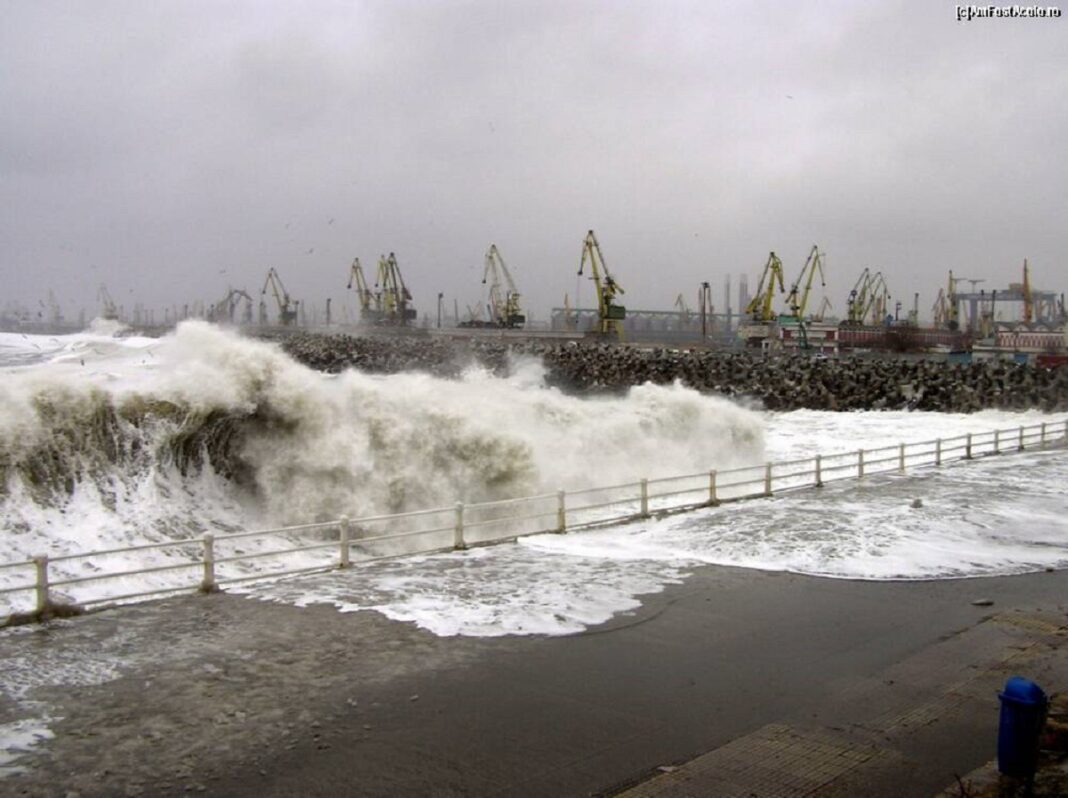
(684,309)
(109,309)
(287,308)
(878,295)
(813,264)
(503,297)
(395,294)
(226,307)
(609,315)
(824,307)
(759,307)
(858,296)
(370,301)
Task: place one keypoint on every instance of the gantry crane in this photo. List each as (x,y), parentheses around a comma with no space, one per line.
(395,294)
(759,307)
(813,264)
(609,315)
(370,301)
(503,299)
(287,308)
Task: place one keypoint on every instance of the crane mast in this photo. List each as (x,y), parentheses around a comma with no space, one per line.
(370,301)
(226,307)
(876,295)
(503,299)
(759,307)
(287,308)
(857,298)
(609,315)
(813,264)
(107,304)
(395,294)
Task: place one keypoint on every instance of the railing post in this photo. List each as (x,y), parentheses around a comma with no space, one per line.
(819,471)
(458,530)
(767,479)
(968,448)
(561,511)
(1021,446)
(938,451)
(712,497)
(208,585)
(1043,439)
(860,463)
(645,497)
(41,564)
(343,561)
(997,441)
(901,458)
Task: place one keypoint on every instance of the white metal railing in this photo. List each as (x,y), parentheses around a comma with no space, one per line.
(213,561)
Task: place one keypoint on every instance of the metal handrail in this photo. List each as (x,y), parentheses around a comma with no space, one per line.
(832,467)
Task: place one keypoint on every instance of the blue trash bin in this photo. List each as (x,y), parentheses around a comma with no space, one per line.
(1023,713)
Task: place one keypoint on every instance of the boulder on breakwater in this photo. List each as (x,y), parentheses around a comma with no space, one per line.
(783,382)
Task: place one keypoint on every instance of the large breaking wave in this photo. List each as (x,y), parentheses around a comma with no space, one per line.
(107,441)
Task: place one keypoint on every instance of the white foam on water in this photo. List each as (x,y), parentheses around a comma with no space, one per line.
(206,431)
(560,584)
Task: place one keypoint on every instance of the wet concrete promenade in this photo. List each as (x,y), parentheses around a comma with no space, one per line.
(772,683)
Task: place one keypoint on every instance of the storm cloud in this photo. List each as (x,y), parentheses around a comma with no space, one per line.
(173,149)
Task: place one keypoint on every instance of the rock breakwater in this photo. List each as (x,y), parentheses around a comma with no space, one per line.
(784,382)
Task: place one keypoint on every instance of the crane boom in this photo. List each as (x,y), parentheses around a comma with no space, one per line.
(395,294)
(857,297)
(813,264)
(287,308)
(504,309)
(759,307)
(609,315)
(366,296)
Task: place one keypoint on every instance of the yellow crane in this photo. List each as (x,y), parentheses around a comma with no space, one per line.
(952,320)
(813,264)
(609,315)
(395,294)
(287,308)
(939,310)
(858,297)
(877,297)
(759,307)
(820,314)
(503,295)
(370,301)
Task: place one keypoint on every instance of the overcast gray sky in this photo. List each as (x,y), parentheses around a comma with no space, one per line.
(171,149)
